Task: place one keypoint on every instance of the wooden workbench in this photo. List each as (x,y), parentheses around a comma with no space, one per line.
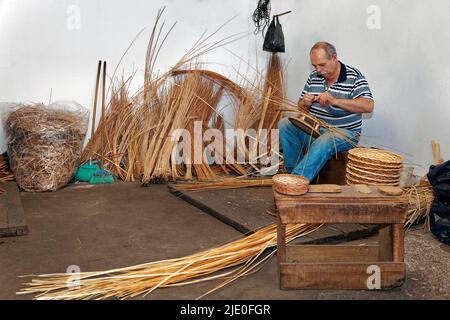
(342,266)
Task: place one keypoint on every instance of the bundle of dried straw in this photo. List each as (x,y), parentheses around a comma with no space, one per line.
(237,259)
(138,127)
(44,146)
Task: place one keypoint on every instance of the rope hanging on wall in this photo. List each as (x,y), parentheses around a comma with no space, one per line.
(261,16)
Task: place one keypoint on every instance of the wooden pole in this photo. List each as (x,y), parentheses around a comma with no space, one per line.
(95,98)
(103,115)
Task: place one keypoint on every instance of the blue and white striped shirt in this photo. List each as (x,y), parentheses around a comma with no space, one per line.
(351,84)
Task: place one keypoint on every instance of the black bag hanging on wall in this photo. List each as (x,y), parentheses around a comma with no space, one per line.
(274,39)
(439,177)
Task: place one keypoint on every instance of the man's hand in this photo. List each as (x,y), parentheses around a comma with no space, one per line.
(306,102)
(326,99)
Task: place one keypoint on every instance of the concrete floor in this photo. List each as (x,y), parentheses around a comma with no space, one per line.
(110,226)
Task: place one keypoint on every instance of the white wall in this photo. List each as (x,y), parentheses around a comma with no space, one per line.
(405,61)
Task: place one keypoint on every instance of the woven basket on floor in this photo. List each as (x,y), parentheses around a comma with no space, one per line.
(290,184)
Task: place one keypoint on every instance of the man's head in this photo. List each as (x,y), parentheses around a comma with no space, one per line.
(324,59)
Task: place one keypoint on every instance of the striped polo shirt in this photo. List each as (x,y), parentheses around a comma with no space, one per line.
(351,84)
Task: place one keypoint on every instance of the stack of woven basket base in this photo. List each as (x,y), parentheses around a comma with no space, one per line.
(373,167)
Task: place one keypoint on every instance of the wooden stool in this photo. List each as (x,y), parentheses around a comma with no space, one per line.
(342,266)
(334,170)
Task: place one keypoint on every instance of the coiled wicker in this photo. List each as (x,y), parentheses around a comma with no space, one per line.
(373,167)
(290,184)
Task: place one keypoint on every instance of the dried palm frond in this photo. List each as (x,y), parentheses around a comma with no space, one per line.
(274,91)
(139,128)
(234,259)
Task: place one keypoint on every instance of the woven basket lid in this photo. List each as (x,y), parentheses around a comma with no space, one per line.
(373,165)
(374,175)
(351,182)
(373,169)
(376,156)
(350,179)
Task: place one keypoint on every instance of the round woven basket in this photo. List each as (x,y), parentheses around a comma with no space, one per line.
(356,179)
(290,184)
(395,176)
(373,169)
(372,165)
(376,156)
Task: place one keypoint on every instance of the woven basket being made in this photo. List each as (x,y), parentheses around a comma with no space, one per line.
(290,184)
(307,123)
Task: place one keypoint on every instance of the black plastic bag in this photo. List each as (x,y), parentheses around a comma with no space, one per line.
(440,221)
(439,177)
(274,38)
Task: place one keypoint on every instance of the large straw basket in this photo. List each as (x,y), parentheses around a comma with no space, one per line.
(307,123)
(290,184)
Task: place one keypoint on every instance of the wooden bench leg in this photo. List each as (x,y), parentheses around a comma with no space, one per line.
(281,242)
(385,243)
(398,243)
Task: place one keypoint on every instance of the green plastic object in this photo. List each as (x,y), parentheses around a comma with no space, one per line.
(86,171)
(101,177)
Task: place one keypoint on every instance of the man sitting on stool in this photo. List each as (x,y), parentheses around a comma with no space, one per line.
(335,93)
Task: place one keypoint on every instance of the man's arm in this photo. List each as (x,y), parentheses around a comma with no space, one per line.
(358,105)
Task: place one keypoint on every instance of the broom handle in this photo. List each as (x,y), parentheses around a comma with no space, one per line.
(282,14)
(103,114)
(95,98)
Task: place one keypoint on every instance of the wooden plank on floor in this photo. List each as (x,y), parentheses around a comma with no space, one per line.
(249,209)
(244,209)
(15,216)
